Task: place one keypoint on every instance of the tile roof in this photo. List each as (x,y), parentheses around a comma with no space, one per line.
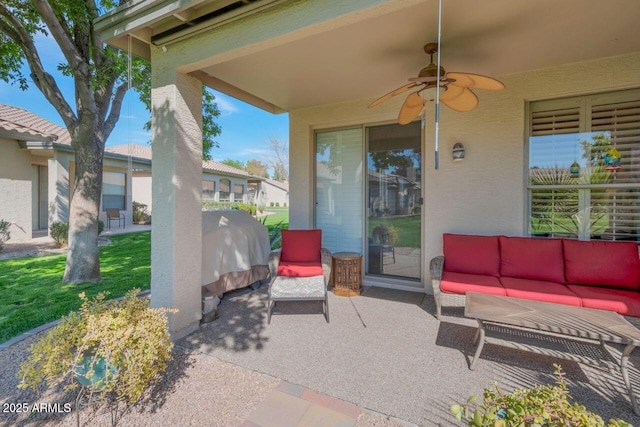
(14,119)
(144,152)
(282,185)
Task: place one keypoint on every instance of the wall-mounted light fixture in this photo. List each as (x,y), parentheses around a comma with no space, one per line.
(458,151)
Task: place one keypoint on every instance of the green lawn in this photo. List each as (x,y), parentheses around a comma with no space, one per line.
(279,214)
(33,294)
(408,228)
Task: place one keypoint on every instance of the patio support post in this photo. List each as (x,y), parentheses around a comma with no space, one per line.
(176,230)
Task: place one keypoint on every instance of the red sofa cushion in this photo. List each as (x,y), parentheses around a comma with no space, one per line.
(299,269)
(540,291)
(611,264)
(622,301)
(301,245)
(461,283)
(530,258)
(471,254)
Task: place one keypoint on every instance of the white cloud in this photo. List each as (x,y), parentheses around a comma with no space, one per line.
(226,105)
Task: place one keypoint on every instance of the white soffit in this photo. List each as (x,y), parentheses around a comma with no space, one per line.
(371,57)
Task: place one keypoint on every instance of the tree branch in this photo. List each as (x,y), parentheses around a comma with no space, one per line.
(41,78)
(116,106)
(97,51)
(81,68)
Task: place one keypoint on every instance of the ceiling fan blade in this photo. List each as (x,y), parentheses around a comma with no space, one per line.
(475,81)
(393,93)
(410,109)
(459,98)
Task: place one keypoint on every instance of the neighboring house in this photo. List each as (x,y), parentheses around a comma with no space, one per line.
(572,76)
(37,174)
(220,182)
(276,193)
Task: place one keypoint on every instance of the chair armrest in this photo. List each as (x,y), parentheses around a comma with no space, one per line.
(435,270)
(274,260)
(326,265)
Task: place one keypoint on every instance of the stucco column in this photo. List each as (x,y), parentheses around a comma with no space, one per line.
(176,236)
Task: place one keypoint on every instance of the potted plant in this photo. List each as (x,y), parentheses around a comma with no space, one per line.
(114,348)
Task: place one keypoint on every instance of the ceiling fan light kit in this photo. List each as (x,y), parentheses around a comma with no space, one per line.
(455,89)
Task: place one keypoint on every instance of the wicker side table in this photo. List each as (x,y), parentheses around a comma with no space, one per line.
(347,273)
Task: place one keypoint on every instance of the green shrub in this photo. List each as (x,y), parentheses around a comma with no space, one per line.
(140,213)
(543,405)
(120,347)
(277,204)
(271,204)
(4,232)
(60,232)
(250,209)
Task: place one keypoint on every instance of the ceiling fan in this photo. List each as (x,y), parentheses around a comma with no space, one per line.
(456,89)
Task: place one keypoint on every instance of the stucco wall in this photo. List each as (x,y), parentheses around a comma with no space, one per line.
(275,195)
(15,189)
(142,188)
(485,193)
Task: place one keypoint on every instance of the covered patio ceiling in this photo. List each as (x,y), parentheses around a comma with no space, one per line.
(378,48)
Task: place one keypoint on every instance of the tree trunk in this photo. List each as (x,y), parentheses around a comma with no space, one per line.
(83,261)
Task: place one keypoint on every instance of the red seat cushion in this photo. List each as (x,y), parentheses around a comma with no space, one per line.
(301,245)
(299,269)
(471,254)
(610,264)
(530,258)
(538,290)
(461,283)
(619,300)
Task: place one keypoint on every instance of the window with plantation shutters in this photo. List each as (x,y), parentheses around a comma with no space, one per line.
(584,167)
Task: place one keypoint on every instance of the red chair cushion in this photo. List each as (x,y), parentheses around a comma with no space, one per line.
(538,290)
(461,283)
(299,269)
(301,245)
(619,300)
(611,264)
(530,258)
(471,254)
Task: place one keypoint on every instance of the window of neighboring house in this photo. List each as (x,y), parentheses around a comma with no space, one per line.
(225,189)
(574,187)
(114,190)
(208,190)
(238,192)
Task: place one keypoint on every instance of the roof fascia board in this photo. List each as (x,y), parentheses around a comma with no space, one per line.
(227,18)
(23,136)
(138,14)
(235,92)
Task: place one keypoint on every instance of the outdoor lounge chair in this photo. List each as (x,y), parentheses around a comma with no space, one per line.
(113,214)
(300,270)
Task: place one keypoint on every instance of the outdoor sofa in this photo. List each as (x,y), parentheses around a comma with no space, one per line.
(596,274)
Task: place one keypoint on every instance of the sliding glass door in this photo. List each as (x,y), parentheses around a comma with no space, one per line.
(339,200)
(394,200)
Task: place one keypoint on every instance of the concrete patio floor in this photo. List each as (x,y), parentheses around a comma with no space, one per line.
(384,351)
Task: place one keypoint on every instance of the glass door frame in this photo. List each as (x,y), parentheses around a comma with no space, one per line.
(394,282)
(399,282)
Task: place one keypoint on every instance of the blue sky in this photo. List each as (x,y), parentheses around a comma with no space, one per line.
(246,130)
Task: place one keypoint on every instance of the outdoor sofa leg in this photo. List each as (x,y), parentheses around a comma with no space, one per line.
(326,309)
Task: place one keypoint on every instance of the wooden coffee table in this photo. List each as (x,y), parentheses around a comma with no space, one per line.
(582,325)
